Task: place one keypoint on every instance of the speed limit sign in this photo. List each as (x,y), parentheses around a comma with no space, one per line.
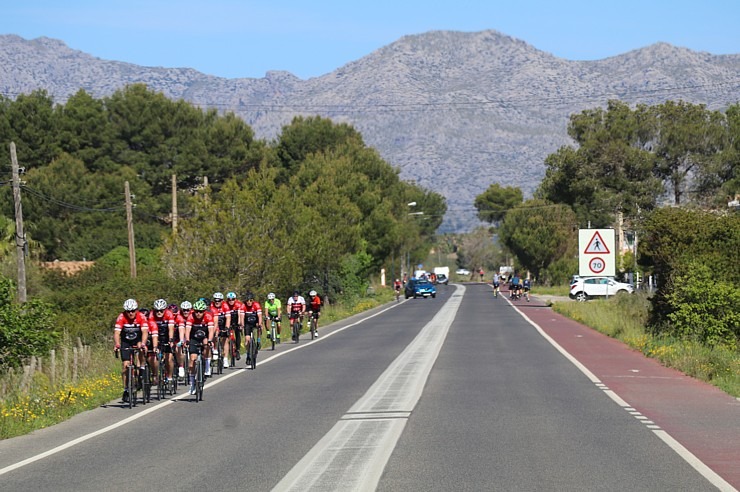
(596,265)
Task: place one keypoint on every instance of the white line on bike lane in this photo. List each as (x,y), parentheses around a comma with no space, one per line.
(353,454)
(168,402)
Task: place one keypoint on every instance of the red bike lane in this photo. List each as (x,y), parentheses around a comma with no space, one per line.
(702,418)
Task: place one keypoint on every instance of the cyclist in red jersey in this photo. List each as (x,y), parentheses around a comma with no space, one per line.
(131,330)
(216,309)
(162,323)
(180,319)
(199,329)
(252,319)
(233,310)
(296,308)
(314,309)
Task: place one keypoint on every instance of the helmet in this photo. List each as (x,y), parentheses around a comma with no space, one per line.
(270,296)
(249,296)
(200,306)
(312,293)
(160,305)
(185,306)
(173,308)
(144,311)
(204,299)
(231,295)
(218,296)
(296,293)
(130,305)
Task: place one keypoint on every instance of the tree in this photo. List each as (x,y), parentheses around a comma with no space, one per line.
(539,234)
(493,203)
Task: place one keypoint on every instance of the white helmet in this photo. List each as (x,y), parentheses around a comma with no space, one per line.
(270,296)
(130,305)
(312,293)
(160,305)
(186,305)
(218,296)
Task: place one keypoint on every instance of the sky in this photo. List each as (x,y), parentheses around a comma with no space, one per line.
(245,38)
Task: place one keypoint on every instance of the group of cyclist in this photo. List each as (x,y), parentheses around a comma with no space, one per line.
(518,286)
(140,334)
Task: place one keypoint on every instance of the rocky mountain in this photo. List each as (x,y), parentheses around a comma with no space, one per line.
(453,111)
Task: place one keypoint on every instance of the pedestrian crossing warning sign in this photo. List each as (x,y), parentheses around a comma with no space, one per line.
(597,245)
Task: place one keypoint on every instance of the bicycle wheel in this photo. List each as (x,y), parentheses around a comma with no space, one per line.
(146,384)
(273,334)
(131,385)
(296,331)
(161,380)
(252,354)
(232,352)
(199,375)
(311,329)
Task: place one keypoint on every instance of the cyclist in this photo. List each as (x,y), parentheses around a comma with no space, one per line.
(219,318)
(314,309)
(199,333)
(162,326)
(180,318)
(397,287)
(135,329)
(296,308)
(526,284)
(234,311)
(496,283)
(273,311)
(515,286)
(252,320)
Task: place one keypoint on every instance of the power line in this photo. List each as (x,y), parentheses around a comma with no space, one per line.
(78,208)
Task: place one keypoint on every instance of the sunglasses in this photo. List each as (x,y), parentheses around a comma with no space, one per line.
(198,312)
(159,311)
(129,311)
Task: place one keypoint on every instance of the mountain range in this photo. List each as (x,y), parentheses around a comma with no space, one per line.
(454,111)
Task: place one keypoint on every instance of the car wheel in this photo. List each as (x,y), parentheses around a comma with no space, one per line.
(581,297)
(434,295)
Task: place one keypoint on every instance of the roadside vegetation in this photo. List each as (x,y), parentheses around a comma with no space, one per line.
(626,318)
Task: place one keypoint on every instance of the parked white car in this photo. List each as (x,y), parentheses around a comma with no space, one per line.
(584,288)
(462,271)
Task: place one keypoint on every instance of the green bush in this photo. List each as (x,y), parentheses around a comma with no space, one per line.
(25,330)
(704,308)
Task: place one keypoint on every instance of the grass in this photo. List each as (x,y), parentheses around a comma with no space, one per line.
(625,318)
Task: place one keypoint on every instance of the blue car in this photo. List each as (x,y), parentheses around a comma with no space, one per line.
(420,288)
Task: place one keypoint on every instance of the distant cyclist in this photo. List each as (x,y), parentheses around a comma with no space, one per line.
(496,283)
(199,333)
(131,331)
(252,319)
(234,311)
(273,312)
(397,286)
(180,319)
(162,328)
(219,318)
(314,309)
(296,308)
(526,285)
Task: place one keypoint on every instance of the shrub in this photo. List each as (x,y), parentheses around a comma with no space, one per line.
(704,308)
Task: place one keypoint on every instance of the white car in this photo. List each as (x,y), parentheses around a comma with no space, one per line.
(584,288)
(462,271)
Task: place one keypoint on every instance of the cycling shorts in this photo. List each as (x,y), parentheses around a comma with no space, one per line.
(126,349)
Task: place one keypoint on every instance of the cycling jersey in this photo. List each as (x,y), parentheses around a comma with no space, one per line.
(233,310)
(161,324)
(199,329)
(315,304)
(251,315)
(273,307)
(131,330)
(296,305)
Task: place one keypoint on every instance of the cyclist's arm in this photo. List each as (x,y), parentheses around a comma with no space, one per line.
(171,329)
(117,336)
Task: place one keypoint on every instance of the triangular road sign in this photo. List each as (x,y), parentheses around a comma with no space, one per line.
(597,245)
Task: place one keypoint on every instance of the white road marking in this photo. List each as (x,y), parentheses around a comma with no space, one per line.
(353,454)
(684,453)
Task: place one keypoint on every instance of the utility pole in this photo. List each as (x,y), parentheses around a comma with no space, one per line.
(130,222)
(174,204)
(20,237)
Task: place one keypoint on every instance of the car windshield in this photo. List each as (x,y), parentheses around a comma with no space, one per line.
(424,284)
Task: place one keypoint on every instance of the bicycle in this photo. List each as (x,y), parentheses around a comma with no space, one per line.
(132,377)
(296,326)
(398,295)
(273,331)
(161,375)
(251,347)
(200,373)
(310,326)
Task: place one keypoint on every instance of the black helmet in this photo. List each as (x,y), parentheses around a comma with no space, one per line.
(249,296)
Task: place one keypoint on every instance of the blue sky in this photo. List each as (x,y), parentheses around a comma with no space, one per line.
(232,38)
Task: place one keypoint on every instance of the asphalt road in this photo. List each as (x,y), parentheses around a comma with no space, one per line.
(453,393)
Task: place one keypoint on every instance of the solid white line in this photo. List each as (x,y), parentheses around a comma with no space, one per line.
(164,404)
(684,453)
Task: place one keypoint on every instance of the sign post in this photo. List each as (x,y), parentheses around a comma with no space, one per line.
(596,252)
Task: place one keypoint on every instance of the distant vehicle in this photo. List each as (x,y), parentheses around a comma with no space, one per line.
(462,271)
(442,278)
(419,288)
(585,288)
(444,270)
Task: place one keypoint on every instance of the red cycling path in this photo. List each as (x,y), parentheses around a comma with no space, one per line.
(702,418)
